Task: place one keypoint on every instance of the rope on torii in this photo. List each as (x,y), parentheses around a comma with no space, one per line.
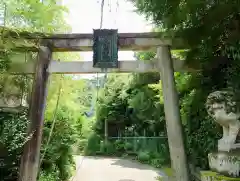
(100,84)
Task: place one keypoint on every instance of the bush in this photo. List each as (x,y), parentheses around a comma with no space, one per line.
(93,144)
(119,145)
(128,146)
(109,148)
(45,176)
(13,136)
(143,156)
(58,156)
(157,162)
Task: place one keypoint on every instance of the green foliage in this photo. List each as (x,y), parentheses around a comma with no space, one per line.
(127,102)
(58,158)
(119,145)
(12,139)
(209,32)
(11,136)
(45,17)
(143,156)
(48,176)
(108,148)
(41,17)
(93,144)
(201,131)
(138,103)
(59,151)
(68,124)
(205,26)
(130,105)
(128,146)
(158,162)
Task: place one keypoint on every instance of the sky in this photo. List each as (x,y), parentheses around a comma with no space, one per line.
(84,16)
(1,17)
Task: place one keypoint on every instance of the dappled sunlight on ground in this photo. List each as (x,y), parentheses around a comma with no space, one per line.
(112,169)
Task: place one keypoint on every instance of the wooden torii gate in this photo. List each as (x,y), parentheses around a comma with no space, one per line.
(83,42)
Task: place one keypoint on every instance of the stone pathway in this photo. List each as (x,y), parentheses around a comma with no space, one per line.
(109,169)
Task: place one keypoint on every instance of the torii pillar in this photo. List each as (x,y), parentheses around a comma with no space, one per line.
(172,115)
(31,153)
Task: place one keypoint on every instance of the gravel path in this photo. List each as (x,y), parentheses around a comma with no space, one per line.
(111,169)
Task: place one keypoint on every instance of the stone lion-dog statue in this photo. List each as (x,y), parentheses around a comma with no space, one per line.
(222,107)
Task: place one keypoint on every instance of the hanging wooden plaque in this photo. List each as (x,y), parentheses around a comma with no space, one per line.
(105,48)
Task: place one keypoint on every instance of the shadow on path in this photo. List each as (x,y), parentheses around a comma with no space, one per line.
(113,169)
(133,164)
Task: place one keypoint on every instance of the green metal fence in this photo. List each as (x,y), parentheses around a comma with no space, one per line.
(141,143)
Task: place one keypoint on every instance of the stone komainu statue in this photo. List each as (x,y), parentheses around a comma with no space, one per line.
(222,107)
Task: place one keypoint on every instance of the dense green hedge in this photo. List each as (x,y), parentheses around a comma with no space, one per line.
(12,138)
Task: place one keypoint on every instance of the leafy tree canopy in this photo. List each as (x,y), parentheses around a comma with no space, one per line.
(206,26)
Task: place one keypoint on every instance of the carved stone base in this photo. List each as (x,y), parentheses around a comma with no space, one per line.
(225,163)
(223,146)
(213,176)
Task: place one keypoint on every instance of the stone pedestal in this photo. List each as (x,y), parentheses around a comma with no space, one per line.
(225,163)
(214,176)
